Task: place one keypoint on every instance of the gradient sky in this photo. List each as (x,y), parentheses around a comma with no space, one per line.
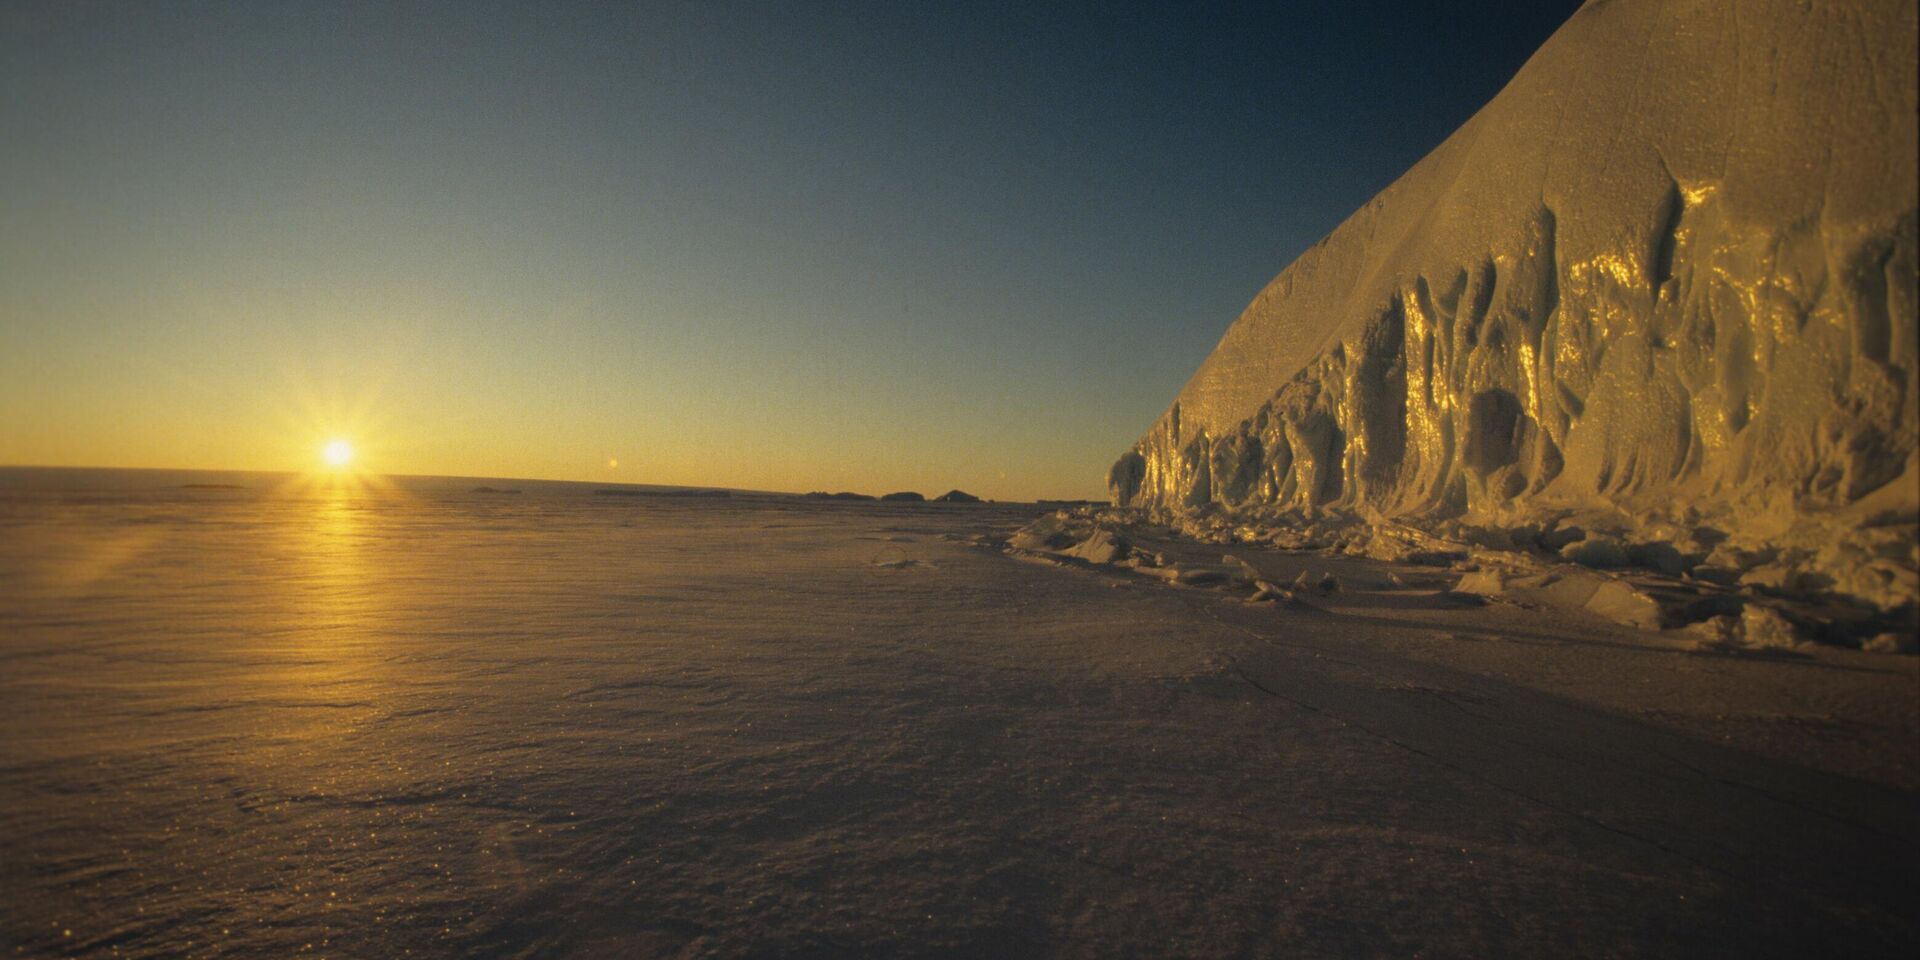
(900,245)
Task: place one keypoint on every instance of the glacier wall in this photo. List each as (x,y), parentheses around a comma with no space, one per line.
(1670,270)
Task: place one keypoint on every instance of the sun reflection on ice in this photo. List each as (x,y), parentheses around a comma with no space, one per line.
(335,591)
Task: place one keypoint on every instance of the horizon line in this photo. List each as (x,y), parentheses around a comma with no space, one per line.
(449,476)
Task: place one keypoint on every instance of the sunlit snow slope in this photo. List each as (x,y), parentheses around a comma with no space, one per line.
(1669,270)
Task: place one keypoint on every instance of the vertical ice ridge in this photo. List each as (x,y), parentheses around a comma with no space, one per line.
(1685,314)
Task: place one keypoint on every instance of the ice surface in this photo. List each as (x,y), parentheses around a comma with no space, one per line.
(428,722)
(1667,275)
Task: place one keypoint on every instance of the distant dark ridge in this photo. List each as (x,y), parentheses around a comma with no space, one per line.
(842,495)
(905,495)
(627,492)
(498,490)
(956,496)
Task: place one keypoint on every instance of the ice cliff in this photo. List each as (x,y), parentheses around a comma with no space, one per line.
(1666,277)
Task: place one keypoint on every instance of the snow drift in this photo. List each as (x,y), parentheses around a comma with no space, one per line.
(1667,276)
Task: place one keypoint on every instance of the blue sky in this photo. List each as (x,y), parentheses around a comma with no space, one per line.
(777,246)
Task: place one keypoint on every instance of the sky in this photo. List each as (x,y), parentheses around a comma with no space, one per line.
(777,246)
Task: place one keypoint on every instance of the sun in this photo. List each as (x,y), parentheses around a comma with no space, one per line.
(337,453)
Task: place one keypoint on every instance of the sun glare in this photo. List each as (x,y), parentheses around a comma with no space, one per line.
(337,453)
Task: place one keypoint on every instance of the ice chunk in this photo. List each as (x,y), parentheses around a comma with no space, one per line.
(1764,627)
(1599,552)
(1620,602)
(1101,546)
(1892,643)
(1485,583)
(1047,533)
(1192,574)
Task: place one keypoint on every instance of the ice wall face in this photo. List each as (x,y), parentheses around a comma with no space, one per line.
(1671,267)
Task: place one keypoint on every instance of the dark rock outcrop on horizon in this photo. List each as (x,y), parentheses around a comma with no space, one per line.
(639,492)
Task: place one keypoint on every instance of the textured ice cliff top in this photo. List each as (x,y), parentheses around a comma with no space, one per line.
(1669,271)
(1784,117)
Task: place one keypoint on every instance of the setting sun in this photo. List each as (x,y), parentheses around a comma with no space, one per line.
(337,453)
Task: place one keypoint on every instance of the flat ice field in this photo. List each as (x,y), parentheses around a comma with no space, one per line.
(425,721)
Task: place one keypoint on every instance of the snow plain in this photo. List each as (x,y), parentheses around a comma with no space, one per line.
(426,721)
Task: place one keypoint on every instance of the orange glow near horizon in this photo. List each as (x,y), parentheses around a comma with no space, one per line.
(310,396)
